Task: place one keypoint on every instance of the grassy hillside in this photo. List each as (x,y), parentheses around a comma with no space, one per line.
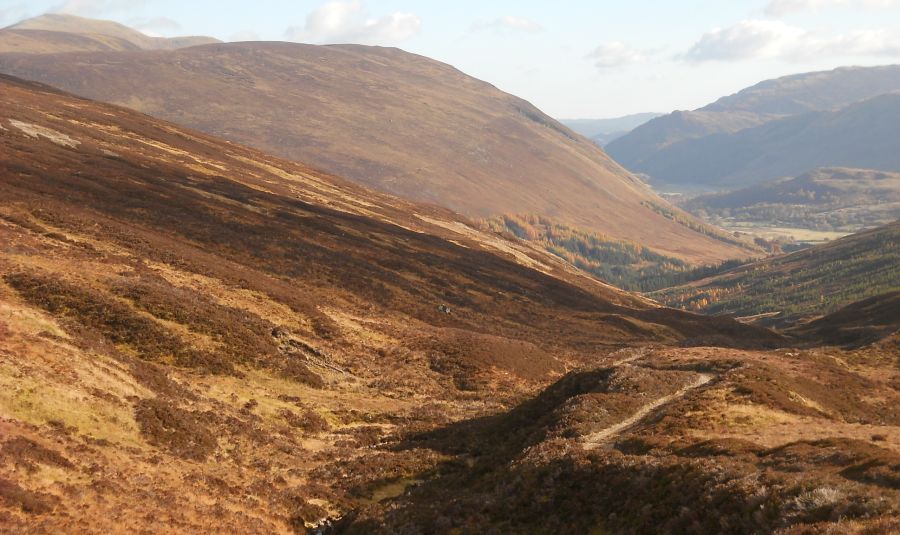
(808,283)
(198,337)
(830,199)
(398,122)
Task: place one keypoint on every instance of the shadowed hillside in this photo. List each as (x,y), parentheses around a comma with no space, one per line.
(870,320)
(398,122)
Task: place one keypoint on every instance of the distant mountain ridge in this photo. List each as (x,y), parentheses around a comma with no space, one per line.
(68,33)
(669,149)
(814,91)
(863,135)
(603,131)
(824,199)
(398,122)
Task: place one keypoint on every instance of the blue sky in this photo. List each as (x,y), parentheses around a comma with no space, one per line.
(572,58)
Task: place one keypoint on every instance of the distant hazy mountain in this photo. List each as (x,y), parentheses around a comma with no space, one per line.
(602,131)
(864,135)
(395,121)
(683,150)
(67,33)
(825,199)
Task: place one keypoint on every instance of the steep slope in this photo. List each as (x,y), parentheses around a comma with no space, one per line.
(198,337)
(808,283)
(56,33)
(768,101)
(833,199)
(863,135)
(401,123)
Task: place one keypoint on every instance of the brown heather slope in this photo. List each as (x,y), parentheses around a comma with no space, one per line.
(198,337)
(674,441)
(56,33)
(398,122)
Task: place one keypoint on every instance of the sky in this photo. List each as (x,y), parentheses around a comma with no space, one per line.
(571,58)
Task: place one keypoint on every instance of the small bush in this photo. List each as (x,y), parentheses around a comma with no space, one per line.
(300,372)
(309,421)
(12,495)
(114,320)
(173,429)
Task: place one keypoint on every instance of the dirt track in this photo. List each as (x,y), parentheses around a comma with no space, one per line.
(597,439)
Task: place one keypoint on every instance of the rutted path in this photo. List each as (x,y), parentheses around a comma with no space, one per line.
(635,354)
(597,439)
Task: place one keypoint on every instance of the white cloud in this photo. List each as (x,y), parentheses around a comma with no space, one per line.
(770,39)
(245,35)
(510,22)
(777,8)
(746,40)
(340,21)
(13,13)
(616,54)
(155,26)
(519,23)
(93,8)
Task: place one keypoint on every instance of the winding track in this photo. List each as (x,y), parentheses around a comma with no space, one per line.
(599,438)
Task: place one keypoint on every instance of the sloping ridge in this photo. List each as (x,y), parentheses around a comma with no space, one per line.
(841,198)
(814,91)
(819,186)
(399,122)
